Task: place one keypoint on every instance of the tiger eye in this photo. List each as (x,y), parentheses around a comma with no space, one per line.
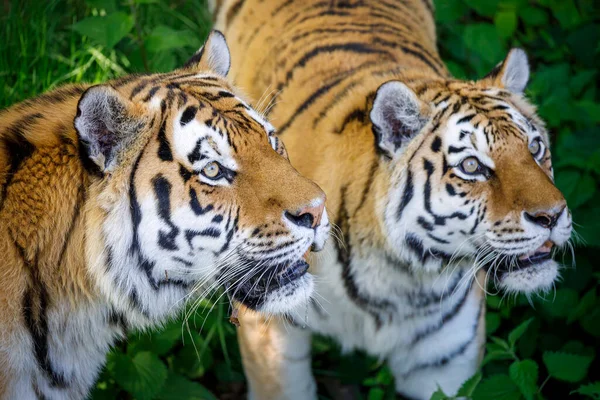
(470,165)
(211,170)
(534,147)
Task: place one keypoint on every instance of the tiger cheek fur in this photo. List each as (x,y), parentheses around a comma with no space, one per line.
(127,199)
(437,186)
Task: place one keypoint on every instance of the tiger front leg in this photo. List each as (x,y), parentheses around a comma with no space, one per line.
(276,358)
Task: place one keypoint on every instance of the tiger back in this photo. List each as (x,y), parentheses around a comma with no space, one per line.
(120,201)
(437,185)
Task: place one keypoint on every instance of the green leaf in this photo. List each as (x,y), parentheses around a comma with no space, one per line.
(497,387)
(506,22)
(534,16)
(158,342)
(561,304)
(437,395)
(468,387)
(143,376)
(587,302)
(516,333)
(163,38)
(565,12)
(525,375)
(567,367)
(486,8)
(591,390)
(107,31)
(450,11)
(178,387)
(483,40)
(492,322)
(376,394)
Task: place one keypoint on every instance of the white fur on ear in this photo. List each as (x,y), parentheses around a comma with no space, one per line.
(516,71)
(214,55)
(104,125)
(396,116)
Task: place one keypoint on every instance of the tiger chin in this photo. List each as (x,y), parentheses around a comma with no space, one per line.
(121,201)
(438,186)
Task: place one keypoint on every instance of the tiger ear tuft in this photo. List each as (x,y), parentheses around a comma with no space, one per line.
(397,116)
(104,125)
(214,55)
(512,73)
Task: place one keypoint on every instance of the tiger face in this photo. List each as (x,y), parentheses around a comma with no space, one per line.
(476,182)
(211,196)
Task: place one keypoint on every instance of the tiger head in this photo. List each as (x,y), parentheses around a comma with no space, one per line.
(474,177)
(195,191)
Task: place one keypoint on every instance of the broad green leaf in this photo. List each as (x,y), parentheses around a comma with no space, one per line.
(506,22)
(450,11)
(163,38)
(158,342)
(178,387)
(437,395)
(559,304)
(468,387)
(497,387)
(143,375)
(591,390)
(534,16)
(492,322)
(483,40)
(587,302)
(516,333)
(108,30)
(525,375)
(567,367)
(376,394)
(565,12)
(591,322)
(486,8)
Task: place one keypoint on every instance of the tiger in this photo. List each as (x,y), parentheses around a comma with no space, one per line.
(437,185)
(120,201)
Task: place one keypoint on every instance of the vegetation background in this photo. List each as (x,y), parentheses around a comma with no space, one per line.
(544,348)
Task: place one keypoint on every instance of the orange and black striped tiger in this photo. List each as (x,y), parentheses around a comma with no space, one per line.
(121,200)
(431,180)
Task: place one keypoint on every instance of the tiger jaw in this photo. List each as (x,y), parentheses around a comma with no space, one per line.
(530,272)
(285,277)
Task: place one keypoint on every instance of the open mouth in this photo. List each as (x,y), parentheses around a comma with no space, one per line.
(252,292)
(537,256)
(531,259)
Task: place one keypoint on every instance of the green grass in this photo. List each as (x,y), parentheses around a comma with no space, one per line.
(48,43)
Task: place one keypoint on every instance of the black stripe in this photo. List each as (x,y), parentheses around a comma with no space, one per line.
(162,190)
(195,204)
(452,149)
(188,115)
(164,148)
(151,94)
(362,300)
(436,144)
(35,314)
(466,118)
(407,195)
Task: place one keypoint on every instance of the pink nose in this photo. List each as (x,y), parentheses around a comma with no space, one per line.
(308,217)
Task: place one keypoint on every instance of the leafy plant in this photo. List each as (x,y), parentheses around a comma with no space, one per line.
(538,348)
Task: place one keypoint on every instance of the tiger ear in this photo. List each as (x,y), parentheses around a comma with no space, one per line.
(512,73)
(214,55)
(397,116)
(104,125)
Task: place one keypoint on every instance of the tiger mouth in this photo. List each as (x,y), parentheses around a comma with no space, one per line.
(252,292)
(533,258)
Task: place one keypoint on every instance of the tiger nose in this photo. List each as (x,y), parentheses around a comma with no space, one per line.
(307,217)
(545,219)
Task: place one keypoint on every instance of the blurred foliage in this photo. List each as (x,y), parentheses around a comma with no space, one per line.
(538,348)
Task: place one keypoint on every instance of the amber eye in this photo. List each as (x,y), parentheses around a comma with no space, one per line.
(212,170)
(536,147)
(470,165)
